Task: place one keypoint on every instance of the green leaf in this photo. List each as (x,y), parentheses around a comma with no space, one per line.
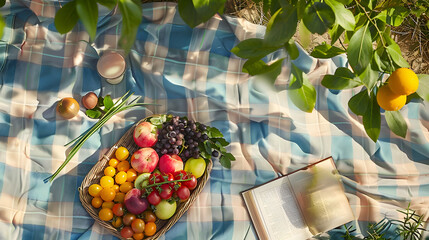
(110,4)
(219,147)
(2,3)
(335,33)
(213,132)
(345,2)
(359,102)
(221,141)
(292,49)
(326,51)
(229,156)
(93,113)
(2,25)
(413,96)
(381,26)
(131,19)
(386,34)
(188,13)
(396,123)
(267,72)
(87,11)
(372,119)
(342,79)
(343,16)
(368,4)
(195,12)
(108,103)
(394,16)
(274,5)
(361,19)
(66,18)
(253,48)
(254,67)
(369,78)
(386,4)
(395,53)
(300,7)
(301,91)
(276,33)
(383,60)
(423,90)
(304,35)
(359,52)
(208,146)
(225,162)
(100,102)
(273,71)
(268,5)
(203,152)
(376,62)
(318,18)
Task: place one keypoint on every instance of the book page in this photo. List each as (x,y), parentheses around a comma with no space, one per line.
(279,211)
(321,196)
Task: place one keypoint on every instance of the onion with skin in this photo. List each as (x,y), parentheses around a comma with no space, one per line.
(90,100)
(68,107)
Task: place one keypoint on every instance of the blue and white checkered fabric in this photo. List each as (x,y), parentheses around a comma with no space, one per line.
(187,72)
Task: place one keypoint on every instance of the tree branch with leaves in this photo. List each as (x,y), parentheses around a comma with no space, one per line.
(361,29)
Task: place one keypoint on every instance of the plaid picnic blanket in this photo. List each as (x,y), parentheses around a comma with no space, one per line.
(187,72)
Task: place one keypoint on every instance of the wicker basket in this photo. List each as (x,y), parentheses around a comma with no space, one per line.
(94,175)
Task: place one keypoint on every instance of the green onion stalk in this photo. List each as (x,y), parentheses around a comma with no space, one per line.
(119,106)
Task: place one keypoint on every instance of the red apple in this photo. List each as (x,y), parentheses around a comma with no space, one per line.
(170,163)
(145,134)
(134,202)
(144,160)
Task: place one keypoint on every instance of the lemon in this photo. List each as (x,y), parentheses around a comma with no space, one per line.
(196,166)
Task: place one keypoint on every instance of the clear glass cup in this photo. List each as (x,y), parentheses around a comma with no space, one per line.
(111,66)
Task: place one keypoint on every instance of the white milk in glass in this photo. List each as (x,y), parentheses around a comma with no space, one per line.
(111,66)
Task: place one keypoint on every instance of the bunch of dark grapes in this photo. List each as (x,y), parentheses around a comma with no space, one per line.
(180,136)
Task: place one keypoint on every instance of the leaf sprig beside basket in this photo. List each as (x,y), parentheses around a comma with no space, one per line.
(111,109)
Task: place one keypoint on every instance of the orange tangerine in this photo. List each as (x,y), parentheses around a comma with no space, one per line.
(403,81)
(389,100)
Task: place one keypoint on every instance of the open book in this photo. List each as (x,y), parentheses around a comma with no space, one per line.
(300,204)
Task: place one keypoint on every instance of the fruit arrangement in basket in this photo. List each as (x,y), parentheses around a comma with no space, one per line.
(153,175)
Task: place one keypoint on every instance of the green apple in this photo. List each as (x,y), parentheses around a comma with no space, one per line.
(165,210)
(196,166)
(140,179)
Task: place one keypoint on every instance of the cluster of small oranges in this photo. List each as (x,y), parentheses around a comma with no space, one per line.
(109,195)
(393,95)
